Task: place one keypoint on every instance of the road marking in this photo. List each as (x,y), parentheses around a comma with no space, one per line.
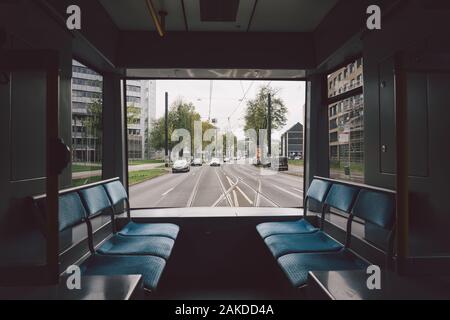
(225,192)
(194,191)
(236,203)
(244,195)
(258,192)
(288,192)
(301,191)
(168,191)
(229,180)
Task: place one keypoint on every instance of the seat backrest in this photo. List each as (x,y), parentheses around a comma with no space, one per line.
(318,190)
(71,211)
(375,207)
(95,199)
(341,197)
(115,191)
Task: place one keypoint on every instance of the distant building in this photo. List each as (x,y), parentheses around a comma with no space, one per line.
(292,141)
(141,94)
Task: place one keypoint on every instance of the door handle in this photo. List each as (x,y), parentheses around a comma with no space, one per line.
(61,157)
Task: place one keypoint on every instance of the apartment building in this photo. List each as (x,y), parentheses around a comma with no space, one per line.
(346,115)
(87,110)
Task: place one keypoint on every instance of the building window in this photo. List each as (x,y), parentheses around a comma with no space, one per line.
(132,99)
(346,132)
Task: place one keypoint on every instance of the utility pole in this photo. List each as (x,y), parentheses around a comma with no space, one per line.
(269,127)
(166,129)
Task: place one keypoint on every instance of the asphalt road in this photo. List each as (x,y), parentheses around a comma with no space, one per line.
(231,185)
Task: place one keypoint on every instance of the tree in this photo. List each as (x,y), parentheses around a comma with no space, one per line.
(133,114)
(182,115)
(93,129)
(257,110)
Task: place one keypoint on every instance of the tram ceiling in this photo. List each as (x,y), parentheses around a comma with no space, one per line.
(193,35)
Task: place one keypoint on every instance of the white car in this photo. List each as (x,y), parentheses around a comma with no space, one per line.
(180,165)
(197,162)
(226,159)
(214,162)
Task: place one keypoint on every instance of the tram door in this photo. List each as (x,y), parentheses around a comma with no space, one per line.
(30,161)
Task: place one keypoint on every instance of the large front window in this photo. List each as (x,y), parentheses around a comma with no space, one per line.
(217,152)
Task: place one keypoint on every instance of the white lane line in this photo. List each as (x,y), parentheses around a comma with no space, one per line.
(288,192)
(194,191)
(168,191)
(258,192)
(244,195)
(225,192)
(236,202)
(229,181)
(301,191)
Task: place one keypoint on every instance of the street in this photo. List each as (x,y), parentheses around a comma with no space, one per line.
(231,185)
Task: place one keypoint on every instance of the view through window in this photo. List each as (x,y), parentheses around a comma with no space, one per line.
(346,122)
(86,124)
(217,151)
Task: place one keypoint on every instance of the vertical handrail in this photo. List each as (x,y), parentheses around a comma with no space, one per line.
(52,186)
(402,163)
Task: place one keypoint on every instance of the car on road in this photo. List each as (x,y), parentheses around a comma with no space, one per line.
(181,165)
(197,162)
(215,162)
(283,164)
(226,159)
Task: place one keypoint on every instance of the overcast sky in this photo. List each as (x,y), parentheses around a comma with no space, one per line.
(226,96)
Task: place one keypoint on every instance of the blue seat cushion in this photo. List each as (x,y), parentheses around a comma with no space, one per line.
(149,245)
(267,229)
(297,265)
(169,230)
(149,267)
(281,244)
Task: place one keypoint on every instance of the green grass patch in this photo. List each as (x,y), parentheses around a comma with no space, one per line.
(296,162)
(81,182)
(80,167)
(137,162)
(143,175)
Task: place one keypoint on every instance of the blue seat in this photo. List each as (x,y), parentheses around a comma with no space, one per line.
(117,193)
(139,245)
(318,191)
(96,202)
(371,206)
(149,267)
(168,230)
(281,244)
(72,213)
(297,265)
(340,197)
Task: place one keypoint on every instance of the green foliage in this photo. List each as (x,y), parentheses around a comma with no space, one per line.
(257,110)
(133,114)
(182,115)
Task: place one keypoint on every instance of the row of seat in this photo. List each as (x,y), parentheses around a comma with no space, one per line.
(138,248)
(299,247)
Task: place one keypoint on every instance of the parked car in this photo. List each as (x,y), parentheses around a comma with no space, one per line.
(197,162)
(226,159)
(283,164)
(215,162)
(181,165)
